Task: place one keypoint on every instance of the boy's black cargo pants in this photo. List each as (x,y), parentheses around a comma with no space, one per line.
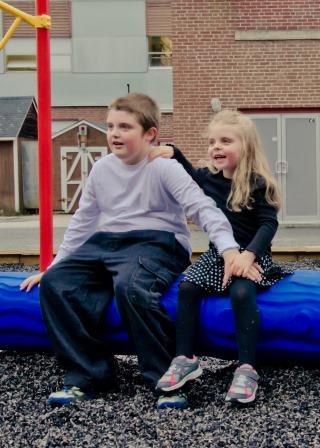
(136,267)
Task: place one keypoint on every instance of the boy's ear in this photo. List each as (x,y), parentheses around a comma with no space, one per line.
(151,134)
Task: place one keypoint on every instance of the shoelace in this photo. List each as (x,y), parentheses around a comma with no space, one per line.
(174,369)
(67,389)
(241,381)
(72,390)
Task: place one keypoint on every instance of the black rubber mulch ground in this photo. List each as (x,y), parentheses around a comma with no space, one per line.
(286,412)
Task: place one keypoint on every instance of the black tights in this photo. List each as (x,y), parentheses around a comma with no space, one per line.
(243,298)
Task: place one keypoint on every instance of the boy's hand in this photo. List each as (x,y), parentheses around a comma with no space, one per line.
(30,282)
(160,151)
(244,266)
(240,265)
(228,256)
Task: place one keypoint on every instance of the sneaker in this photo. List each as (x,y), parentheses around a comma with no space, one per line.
(244,385)
(177,400)
(67,396)
(181,370)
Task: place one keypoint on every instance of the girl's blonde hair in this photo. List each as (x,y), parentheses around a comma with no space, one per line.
(252,163)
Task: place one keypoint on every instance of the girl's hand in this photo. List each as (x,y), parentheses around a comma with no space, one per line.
(160,151)
(254,273)
(30,282)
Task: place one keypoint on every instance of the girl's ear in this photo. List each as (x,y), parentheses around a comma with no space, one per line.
(151,134)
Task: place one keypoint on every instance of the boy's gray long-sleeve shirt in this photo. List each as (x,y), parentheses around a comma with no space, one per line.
(147,196)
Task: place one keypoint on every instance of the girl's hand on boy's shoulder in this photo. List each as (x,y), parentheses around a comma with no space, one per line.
(30,282)
(160,151)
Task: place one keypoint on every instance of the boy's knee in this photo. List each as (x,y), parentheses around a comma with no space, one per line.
(48,277)
(49,285)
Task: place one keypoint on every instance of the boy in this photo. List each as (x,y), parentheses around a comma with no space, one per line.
(142,247)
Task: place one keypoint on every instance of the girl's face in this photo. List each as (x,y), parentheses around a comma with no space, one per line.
(126,137)
(224,148)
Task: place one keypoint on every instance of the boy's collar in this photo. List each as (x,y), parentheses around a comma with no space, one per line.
(133,165)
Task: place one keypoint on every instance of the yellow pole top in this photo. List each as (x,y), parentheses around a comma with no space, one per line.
(43,21)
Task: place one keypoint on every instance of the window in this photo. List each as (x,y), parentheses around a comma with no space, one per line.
(160,51)
(158,26)
(17,62)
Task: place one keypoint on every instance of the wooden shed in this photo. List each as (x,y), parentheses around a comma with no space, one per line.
(75,149)
(18,128)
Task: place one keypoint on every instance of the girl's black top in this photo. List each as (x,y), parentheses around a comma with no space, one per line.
(253,229)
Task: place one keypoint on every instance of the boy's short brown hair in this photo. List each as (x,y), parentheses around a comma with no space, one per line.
(145,109)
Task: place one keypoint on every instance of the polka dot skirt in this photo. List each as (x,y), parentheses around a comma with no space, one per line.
(208,271)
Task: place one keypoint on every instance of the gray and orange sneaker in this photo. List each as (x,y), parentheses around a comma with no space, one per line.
(244,385)
(181,370)
(68,395)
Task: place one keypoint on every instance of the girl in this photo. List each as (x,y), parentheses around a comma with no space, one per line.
(240,181)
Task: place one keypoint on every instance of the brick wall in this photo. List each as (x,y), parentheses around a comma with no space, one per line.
(251,75)
(166,129)
(94,113)
(275,14)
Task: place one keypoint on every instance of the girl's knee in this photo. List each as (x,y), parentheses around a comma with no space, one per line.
(243,293)
(187,287)
(239,295)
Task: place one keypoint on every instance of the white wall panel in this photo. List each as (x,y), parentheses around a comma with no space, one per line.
(109,36)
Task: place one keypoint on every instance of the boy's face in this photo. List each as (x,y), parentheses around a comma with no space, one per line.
(126,137)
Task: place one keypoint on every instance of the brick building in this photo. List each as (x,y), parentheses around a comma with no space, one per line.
(254,56)
(260,57)
(264,59)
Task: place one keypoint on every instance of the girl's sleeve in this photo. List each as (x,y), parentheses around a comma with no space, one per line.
(266,216)
(197,206)
(83,223)
(195,173)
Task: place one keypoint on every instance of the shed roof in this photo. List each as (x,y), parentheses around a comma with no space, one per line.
(18,114)
(94,124)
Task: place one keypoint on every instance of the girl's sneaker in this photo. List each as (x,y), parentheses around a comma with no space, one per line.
(181,370)
(67,396)
(244,385)
(175,400)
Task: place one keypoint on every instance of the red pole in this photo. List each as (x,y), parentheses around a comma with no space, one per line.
(44,139)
